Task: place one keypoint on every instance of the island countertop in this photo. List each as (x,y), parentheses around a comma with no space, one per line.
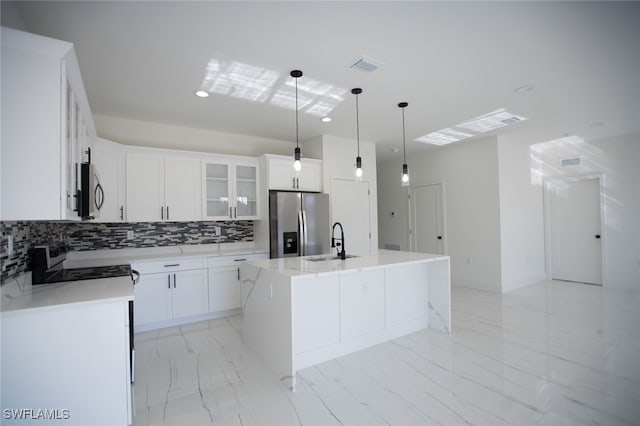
(303,266)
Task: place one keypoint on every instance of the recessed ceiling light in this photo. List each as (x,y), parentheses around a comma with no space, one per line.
(202,94)
(326,119)
(524,89)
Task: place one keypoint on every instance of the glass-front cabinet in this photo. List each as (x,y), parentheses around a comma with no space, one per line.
(230,188)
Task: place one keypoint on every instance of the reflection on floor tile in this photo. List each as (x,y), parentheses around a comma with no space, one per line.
(554,353)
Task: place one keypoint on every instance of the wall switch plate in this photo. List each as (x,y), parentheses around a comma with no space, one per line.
(216,231)
(129,235)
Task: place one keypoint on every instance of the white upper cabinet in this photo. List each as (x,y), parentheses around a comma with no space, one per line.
(46,127)
(109,159)
(230,188)
(162,186)
(281,174)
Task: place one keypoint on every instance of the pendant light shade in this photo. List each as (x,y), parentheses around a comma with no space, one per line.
(405,168)
(356,91)
(297,164)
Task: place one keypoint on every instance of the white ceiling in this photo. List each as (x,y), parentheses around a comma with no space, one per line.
(450,61)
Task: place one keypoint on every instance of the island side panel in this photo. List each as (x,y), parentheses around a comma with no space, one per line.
(73,359)
(440,295)
(267,324)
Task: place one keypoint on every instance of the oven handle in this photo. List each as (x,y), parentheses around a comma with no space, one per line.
(135,276)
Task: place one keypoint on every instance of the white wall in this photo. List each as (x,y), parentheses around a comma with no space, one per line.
(158,135)
(521,216)
(618,160)
(338,161)
(470,173)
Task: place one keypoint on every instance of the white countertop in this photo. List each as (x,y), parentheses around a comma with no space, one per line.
(20,295)
(302,266)
(80,259)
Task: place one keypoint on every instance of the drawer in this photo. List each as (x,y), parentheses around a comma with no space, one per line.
(169,265)
(221,261)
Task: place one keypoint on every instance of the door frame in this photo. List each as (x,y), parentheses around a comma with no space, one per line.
(546,181)
(443,212)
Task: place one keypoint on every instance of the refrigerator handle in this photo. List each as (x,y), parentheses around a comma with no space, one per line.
(302,233)
(305,240)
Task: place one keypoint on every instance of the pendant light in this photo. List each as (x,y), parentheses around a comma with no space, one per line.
(356,92)
(405,168)
(297,165)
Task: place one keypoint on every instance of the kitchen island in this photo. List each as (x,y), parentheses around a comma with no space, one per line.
(301,311)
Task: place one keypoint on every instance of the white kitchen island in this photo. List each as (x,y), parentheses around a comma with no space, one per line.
(300,311)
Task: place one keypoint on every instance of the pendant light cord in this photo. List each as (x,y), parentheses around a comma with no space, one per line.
(404,144)
(357,126)
(296,112)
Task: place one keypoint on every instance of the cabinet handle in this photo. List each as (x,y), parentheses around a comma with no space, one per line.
(297,183)
(238,274)
(174,280)
(235,212)
(169,282)
(239,260)
(293,183)
(121,212)
(171,265)
(230,210)
(161,213)
(167,212)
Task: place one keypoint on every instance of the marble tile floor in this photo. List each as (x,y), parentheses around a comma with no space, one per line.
(554,353)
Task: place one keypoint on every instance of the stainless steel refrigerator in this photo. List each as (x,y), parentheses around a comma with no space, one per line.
(298,223)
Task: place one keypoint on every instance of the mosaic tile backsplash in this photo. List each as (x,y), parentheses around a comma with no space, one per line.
(97,236)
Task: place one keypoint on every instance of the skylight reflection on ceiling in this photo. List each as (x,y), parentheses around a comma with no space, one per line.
(474,127)
(257,84)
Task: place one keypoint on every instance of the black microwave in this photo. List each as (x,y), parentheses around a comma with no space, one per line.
(91,194)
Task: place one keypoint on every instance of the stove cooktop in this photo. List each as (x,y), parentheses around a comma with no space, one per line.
(92,273)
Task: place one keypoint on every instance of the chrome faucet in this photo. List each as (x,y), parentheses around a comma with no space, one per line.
(341,252)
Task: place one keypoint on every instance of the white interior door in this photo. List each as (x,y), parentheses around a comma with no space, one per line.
(426,219)
(351,207)
(574,226)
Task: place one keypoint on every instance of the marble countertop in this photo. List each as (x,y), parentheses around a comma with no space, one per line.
(81,259)
(21,296)
(302,266)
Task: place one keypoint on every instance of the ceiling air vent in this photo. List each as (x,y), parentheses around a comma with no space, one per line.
(366,65)
(575,161)
(511,120)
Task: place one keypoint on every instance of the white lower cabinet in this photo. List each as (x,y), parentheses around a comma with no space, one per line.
(170,290)
(316,312)
(361,303)
(225,283)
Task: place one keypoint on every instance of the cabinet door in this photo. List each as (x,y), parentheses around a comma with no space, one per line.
(151,295)
(190,293)
(145,187)
(110,164)
(224,288)
(310,176)
(182,188)
(216,190)
(246,191)
(281,173)
(361,303)
(316,315)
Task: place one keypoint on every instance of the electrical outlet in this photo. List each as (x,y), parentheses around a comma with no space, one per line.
(8,240)
(129,235)
(216,231)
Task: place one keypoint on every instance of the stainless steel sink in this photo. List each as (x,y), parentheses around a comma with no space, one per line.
(325,258)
